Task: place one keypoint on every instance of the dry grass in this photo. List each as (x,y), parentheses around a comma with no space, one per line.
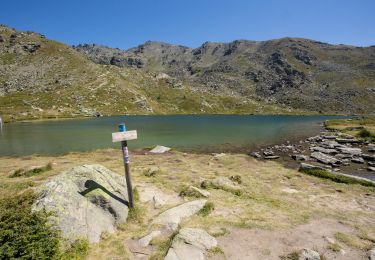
(262,204)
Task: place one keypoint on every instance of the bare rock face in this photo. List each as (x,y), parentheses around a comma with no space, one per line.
(190,243)
(86,200)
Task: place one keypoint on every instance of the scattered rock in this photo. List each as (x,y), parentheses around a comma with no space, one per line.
(145,241)
(300,157)
(309,254)
(218,155)
(87,200)
(190,243)
(268,153)
(160,149)
(371,148)
(371,163)
(351,151)
(368,157)
(255,155)
(358,160)
(371,169)
(348,141)
(323,150)
(171,218)
(271,157)
(323,158)
(305,166)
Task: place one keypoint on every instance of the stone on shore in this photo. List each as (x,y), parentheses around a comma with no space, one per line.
(323,150)
(171,218)
(190,243)
(371,169)
(300,157)
(271,157)
(368,157)
(323,158)
(160,149)
(306,166)
(371,148)
(86,201)
(255,155)
(358,160)
(351,151)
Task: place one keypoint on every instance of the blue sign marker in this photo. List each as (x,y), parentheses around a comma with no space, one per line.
(122,127)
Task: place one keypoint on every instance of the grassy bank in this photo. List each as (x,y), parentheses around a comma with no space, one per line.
(362,127)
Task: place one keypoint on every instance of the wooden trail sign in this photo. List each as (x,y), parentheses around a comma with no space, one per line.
(124,136)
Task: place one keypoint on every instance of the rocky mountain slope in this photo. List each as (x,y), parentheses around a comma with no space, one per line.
(41,78)
(295,72)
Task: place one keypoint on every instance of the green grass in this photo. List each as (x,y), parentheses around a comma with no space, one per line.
(336,178)
(186,191)
(291,256)
(31,172)
(207,209)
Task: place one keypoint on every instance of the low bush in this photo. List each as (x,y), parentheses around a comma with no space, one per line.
(26,234)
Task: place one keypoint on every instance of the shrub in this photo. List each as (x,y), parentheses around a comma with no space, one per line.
(207,209)
(364,133)
(26,234)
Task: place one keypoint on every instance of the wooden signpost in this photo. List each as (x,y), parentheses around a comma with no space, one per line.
(124,136)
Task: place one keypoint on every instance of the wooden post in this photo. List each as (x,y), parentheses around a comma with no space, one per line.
(124,136)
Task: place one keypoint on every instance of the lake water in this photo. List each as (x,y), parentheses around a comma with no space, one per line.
(187,132)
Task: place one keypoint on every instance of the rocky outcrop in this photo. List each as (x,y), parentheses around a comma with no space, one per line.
(85,201)
(323,158)
(190,243)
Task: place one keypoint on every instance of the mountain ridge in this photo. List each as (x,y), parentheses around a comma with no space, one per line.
(42,78)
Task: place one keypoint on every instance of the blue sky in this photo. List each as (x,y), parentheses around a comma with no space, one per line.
(125,24)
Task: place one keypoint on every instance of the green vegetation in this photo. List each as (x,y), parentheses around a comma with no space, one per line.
(26,234)
(207,209)
(187,191)
(361,127)
(31,172)
(353,241)
(337,177)
(291,256)
(76,250)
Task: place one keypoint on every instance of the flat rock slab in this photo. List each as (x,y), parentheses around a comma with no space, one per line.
(351,151)
(190,243)
(87,200)
(171,218)
(323,158)
(160,149)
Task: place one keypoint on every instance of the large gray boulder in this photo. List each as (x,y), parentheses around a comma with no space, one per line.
(86,201)
(190,243)
(171,218)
